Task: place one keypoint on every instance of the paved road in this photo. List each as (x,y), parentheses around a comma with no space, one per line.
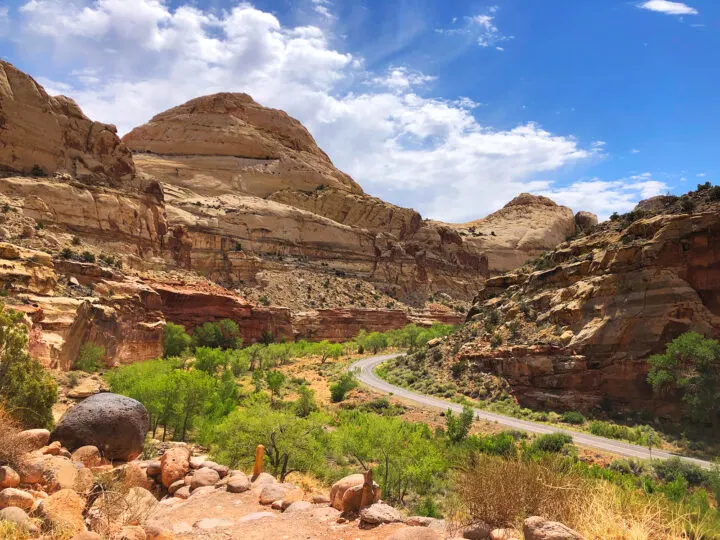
(367,376)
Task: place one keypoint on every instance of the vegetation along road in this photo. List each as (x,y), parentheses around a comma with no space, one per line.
(366,375)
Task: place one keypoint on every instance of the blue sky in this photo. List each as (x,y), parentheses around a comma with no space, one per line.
(450,107)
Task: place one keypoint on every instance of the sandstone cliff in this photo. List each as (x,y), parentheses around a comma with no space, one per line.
(579,326)
(44,135)
(523,229)
(243,179)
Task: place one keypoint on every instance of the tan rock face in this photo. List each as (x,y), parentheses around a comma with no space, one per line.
(588,324)
(52,133)
(525,228)
(238,174)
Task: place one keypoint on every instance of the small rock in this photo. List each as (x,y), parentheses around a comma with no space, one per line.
(202,491)
(86,388)
(88,456)
(154,532)
(74,281)
(477,531)
(87,535)
(277,505)
(238,484)
(182,528)
(53,449)
(415,533)
(196,462)
(182,493)
(63,511)
(222,470)
(8,478)
(174,465)
(213,523)
(153,468)
(59,473)
(18,516)
(262,479)
(132,532)
(298,506)
(319,498)
(255,516)
(273,492)
(378,513)
(35,439)
(31,471)
(172,488)
(16,497)
(504,534)
(204,477)
(538,528)
(135,476)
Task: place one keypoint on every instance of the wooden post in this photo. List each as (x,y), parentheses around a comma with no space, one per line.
(259,455)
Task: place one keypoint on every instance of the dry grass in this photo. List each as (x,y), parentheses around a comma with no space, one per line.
(10,531)
(503,493)
(11,449)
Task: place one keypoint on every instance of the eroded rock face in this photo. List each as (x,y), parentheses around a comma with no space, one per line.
(522,230)
(53,134)
(586,326)
(239,174)
(115,424)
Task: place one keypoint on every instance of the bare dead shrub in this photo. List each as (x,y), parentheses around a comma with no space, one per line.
(11,447)
(502,492)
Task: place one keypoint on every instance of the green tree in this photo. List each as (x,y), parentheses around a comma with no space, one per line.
(406,455)
(275,381)
(224,334)
(211,360)
(258,380)
(305,403)
(27,391)
(90,357)
(254,353)
(344,384)
(175,340)
(690,367)
(459,426)
(326,350)
(291,443)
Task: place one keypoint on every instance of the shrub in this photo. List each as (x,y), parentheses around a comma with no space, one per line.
(573,417)
(459,426)
(90,357)
(12,448)
(672,468)
(175,340)
(75,240)
(500,491)
(634,467)
(345,383)
(37,170)
(67,253)
(496,340)
(87,256)
(552,443)
(264,300)
(704,187)
(27,391)
(305,403)
(714,193)
(687,205)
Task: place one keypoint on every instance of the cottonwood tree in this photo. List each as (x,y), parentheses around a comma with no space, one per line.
(690,368)
(292,444)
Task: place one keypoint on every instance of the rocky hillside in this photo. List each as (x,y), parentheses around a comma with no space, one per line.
(95,248)
(576,327)
(522,230)
(239,178)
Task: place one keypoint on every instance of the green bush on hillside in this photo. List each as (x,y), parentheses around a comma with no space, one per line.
(27,391)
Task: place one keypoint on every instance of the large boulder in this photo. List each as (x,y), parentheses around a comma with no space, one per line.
(585,220)
(19,517)
(339,488)
(539,528)
(115,424)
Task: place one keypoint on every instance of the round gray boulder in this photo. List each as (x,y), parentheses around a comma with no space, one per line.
(115,424)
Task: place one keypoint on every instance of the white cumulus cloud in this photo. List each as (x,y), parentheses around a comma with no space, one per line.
(668,7)
(131,59)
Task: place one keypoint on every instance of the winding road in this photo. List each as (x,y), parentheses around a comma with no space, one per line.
(366,368)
